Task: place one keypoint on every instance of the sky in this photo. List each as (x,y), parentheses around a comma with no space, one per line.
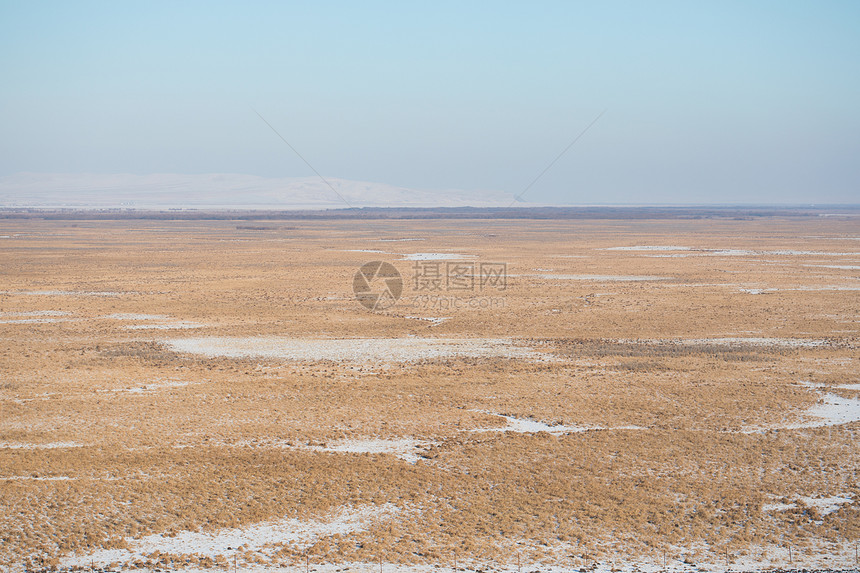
(706,102)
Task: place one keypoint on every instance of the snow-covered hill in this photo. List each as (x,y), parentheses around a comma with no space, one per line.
(225,191)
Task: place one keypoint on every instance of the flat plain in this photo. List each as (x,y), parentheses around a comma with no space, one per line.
(678,393)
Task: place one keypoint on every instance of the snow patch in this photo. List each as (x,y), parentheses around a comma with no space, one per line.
(34,320)
(37,478)
(165,322)
(804,288)
(834,411)
(48,446)
(135,316)
(60,293)
(809,253)
(436,321)
(150,388)
(529,426)
(825,505)
(260,537)
(179,325)
(351,349)
(649,248)
(30,313)
(694,252)
(778,506)
(604,278)
(435,256)
(407,449)
(733,341)
(823,288)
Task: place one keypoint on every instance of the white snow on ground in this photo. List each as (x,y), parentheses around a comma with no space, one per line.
(407,449)
(135,316)
(755,290)
(31,313)
(351,349)
(434,320)
(41,397)
(685,285)
(649,248)
(834,411)
(60,293)
(259,537)
(825,505)
(849,386)
(366,251)
(31,478)
(841,267)
(800,289)
(178,325)
(434,256)
(730,341)
(49,446)
(604,278)
(529,426)
(34,320)
(810,253)
(822,288)
(778,506)
(162,322)
(151,387)
(696,252)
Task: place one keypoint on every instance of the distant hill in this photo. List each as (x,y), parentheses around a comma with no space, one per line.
(223,191)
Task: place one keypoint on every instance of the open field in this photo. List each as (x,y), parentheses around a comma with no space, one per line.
(197,393)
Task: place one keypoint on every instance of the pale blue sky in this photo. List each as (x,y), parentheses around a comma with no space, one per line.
(708,102)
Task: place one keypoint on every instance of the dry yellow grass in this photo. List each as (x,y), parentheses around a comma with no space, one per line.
(688,438)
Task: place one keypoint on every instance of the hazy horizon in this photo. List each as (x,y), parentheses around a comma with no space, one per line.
(706,103)
(230,191)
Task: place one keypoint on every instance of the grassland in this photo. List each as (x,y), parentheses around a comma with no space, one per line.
(640,390)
